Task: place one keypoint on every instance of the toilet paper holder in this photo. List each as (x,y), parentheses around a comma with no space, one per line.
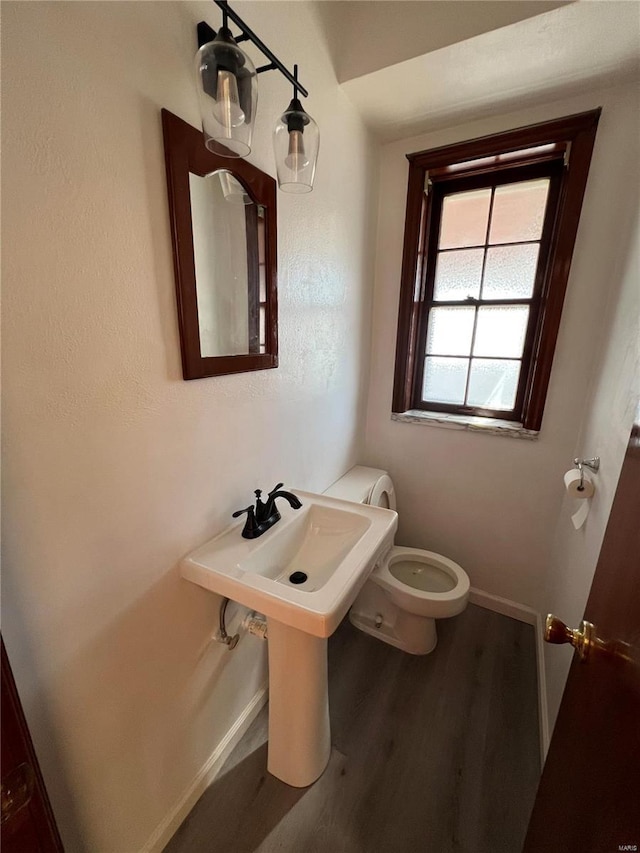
(593,464)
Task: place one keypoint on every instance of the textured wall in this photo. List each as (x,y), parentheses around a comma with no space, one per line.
(114,466)
(614,394)
(489,502)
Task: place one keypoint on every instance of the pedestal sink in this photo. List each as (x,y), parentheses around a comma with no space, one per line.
(330,547)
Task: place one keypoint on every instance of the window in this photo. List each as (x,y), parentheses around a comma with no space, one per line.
(489,234)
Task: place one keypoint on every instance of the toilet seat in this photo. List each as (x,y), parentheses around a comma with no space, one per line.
(382,493)
(441,587)
(410,588)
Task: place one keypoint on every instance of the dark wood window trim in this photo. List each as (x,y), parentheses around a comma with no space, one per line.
(570,138)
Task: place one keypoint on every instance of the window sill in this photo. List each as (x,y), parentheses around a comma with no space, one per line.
(489,426)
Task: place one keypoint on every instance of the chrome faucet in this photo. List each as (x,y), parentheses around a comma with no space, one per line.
(265,514)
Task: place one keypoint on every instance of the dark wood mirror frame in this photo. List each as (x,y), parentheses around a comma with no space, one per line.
(184,153)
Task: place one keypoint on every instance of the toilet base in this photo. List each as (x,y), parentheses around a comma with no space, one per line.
(374,613)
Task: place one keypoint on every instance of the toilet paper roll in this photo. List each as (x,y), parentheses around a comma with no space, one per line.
(578,518)
(572,485)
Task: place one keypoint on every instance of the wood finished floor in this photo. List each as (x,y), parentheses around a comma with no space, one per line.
(433,754)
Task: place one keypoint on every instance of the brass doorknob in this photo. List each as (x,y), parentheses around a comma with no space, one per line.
(582,639)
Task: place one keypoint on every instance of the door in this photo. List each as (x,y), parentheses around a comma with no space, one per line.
(589,795)
(28,825)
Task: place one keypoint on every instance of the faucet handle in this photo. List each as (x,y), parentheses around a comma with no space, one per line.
(275,488)
(251,527)
(237,513)
(260,507)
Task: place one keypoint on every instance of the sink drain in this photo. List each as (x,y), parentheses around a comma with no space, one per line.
(298,577)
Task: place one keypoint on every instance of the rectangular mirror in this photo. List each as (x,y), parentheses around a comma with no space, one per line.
(223,218)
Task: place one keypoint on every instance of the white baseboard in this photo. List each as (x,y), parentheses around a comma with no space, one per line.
(522,613)
(504,606)
(212,766)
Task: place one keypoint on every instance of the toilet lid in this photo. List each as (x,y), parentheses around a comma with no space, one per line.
(382,493)
(356,485)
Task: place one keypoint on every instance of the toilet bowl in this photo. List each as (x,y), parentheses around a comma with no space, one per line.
(409,588)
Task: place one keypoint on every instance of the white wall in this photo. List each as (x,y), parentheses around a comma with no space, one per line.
(492,503)
(114,466)
(614,394)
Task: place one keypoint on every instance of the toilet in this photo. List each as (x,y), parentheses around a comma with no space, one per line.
(409,588)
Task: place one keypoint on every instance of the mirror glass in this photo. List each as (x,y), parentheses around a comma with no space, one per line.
(228,243)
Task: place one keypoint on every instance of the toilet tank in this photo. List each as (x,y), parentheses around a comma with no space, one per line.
(365,485)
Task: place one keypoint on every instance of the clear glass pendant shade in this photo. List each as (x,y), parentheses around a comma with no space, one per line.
(227,87)
(296,139)
(232,190)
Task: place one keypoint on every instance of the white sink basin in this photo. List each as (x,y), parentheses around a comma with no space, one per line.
(334,543)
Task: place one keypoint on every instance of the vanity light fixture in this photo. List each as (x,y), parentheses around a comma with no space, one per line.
(295,141)
(228,95)
(227,91)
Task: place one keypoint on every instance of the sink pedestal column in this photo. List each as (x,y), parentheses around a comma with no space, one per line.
(299,732)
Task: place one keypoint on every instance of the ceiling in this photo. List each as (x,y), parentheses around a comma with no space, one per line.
(560,52)
(367,35)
